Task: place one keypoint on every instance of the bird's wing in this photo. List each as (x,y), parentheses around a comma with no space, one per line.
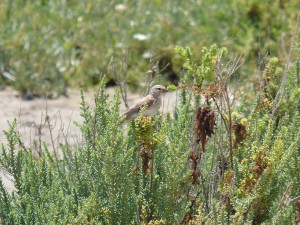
(147,101)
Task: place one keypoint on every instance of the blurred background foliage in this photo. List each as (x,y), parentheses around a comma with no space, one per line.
(47,45)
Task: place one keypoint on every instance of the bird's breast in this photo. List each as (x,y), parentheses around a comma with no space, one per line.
(153,109)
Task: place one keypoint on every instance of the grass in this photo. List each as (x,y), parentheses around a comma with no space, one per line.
(49,45)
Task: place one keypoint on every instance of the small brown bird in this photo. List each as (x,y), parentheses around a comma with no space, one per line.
(151,103)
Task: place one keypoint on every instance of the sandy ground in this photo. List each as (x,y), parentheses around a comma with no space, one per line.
(62,112)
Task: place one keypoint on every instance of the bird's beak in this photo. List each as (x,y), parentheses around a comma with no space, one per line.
(166,90)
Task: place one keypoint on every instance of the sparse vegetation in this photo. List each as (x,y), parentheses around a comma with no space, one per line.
(48,45)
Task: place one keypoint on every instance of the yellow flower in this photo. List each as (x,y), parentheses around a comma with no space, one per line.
(234,115)
(243,121)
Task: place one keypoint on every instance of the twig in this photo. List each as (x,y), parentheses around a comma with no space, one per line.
(22,145)
(221,114)
(40,136)
(47,120)
(284,199)
(205,193)
(120,73)
(227,100)
(151,74)
(281,92)
(224,73)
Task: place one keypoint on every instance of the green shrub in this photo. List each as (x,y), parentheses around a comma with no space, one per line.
(210,162)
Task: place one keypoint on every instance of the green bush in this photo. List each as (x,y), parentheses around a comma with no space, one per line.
(211,163)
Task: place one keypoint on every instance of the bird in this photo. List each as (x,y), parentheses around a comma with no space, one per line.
(151,103)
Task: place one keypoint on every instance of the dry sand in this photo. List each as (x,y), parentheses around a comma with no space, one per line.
(62,112)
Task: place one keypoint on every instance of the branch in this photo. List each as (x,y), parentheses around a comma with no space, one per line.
(120,73)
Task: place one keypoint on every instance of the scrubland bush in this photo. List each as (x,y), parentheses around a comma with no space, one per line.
(217,159)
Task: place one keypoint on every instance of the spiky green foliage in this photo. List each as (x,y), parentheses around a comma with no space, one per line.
(167,169)
(100,181)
